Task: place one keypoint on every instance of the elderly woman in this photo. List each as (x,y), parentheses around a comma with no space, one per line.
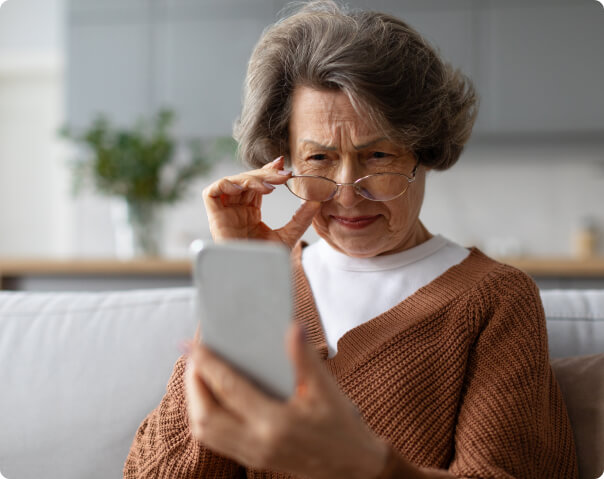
(415,357)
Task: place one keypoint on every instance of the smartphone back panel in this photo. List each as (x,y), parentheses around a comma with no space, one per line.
(244,303)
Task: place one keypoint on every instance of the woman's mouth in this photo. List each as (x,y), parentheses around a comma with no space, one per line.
(355,222)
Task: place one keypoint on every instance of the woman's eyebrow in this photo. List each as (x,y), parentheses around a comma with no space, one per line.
(371,143)
(319,145)
(333,148)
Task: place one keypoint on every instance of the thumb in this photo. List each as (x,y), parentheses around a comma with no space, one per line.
(295,228)
(311,375)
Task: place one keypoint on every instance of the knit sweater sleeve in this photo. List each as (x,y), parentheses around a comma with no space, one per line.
(164,447)
(512,421)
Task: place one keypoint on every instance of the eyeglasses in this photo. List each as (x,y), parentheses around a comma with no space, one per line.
(375,187)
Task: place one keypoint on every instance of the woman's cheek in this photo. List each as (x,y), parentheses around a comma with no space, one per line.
(396,215)
(319,223)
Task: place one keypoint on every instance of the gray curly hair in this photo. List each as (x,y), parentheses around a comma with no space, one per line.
(389,72)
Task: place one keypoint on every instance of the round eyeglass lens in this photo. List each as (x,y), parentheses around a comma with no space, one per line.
(311,188)
(382,186)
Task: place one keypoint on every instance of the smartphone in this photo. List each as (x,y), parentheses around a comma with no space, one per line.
(244,305)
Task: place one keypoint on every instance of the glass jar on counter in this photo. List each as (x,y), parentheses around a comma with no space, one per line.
(585,238)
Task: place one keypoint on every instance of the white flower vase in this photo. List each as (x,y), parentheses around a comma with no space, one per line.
(138,228)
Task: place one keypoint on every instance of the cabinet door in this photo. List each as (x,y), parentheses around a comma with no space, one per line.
(545,67)
(451,31)
(202,50)
(108,61)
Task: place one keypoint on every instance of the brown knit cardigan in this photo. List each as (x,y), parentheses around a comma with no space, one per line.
(455,377)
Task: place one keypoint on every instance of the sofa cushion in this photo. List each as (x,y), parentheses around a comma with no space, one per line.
(82,371)
(581,380)
(575,322)
(79,371)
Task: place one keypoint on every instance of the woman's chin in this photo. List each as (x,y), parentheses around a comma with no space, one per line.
(365,242)
(356,247)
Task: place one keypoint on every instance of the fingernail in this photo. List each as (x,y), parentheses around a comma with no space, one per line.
(239,187)
(184,346)
(268,185)
(284,172)
(279,158)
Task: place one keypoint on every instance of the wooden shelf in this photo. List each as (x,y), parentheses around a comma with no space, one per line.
(535,266)
(93,267)
(558,267)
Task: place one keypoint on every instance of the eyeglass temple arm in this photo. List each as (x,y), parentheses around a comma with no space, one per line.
(414,171)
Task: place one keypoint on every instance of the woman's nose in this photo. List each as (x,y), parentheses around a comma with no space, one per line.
(347,195)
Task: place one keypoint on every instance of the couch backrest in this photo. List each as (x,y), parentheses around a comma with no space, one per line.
(575,322)
(78,374)
(79,371)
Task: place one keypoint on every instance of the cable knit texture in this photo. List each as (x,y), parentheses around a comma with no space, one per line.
(455,377)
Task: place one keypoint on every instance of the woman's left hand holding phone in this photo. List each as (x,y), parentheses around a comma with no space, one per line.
(317,433)
(233,206)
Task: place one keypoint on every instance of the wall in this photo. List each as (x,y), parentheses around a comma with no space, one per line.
(518,200)
(505,200)
(506,197)
(35,217)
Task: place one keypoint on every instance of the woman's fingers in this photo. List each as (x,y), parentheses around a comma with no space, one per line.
(231,389)
(311,377)
(233,205)
(276,164)
(302,219)
(261,181)
(210,423)
(201,404)
(236,185)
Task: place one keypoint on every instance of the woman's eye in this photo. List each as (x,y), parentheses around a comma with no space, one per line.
(318,156)
(379,154)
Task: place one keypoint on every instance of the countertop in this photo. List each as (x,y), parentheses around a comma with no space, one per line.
(14,267)
(96,266)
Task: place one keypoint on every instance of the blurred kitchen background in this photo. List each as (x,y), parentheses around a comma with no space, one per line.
(530,184)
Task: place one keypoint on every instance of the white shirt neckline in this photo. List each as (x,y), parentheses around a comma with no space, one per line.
(349,291)
(379,263)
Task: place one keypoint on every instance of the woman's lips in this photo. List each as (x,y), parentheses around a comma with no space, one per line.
(355,222)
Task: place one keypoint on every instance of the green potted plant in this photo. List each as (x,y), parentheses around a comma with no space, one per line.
(145,166)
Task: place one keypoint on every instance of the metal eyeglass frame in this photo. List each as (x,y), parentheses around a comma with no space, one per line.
(355,185)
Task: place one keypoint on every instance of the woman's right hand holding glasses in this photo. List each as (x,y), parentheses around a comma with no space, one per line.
(233,206)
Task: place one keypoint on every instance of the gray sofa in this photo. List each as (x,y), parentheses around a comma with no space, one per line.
(79,372)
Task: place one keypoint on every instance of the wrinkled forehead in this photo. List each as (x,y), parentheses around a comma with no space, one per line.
(323,115)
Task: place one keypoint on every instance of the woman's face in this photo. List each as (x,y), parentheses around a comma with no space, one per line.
(328,138)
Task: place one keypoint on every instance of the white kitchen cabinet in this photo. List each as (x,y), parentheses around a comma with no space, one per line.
(201,54)
(537,64)
(108,61)
(543,70)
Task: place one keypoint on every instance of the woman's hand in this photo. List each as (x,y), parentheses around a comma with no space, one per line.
(233,206)
(317,433)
